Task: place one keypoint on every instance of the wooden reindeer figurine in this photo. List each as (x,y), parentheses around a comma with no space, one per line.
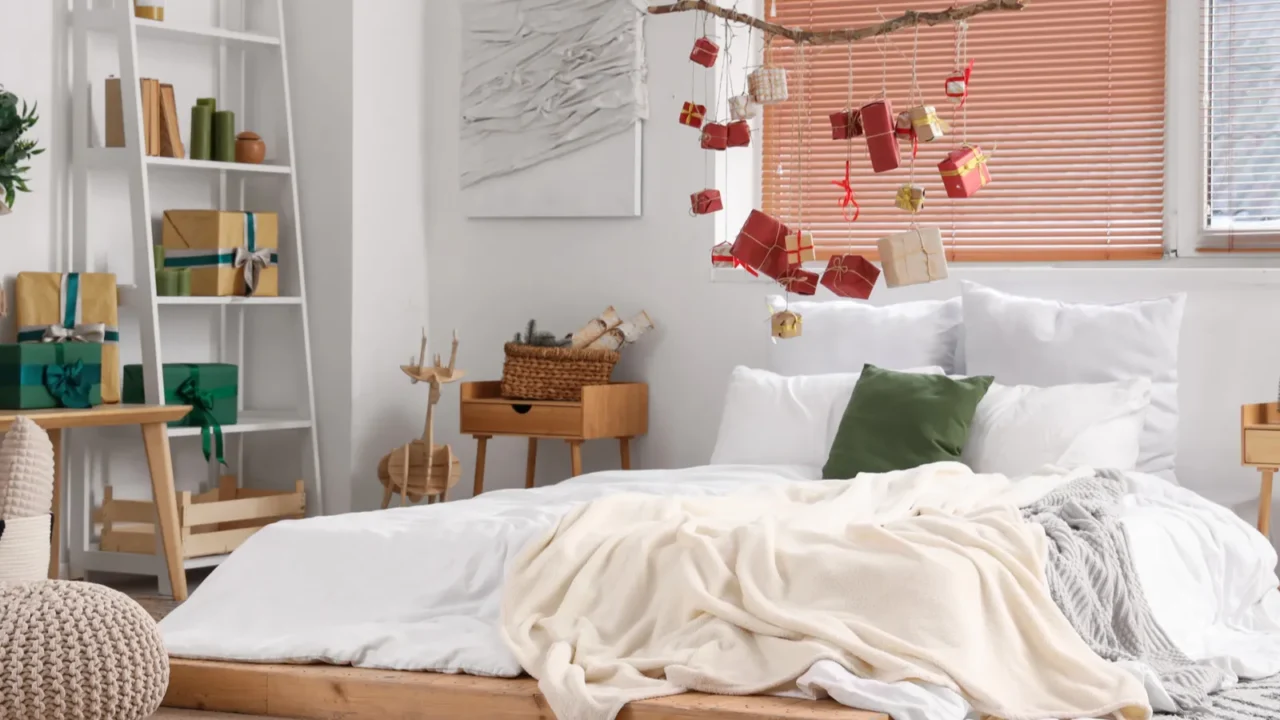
(422,468)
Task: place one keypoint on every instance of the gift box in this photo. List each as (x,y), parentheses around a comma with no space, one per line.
(715,136)
(925,123)
(72,307)
(768,85)
(846,124)
(799,281)
(228,253)
(786,324)
(799,247)
(742,107)
(761,244)
(851,276)
(35,376)
(913,257)
(692,115)
(910,198)
(882,141)
(211,389)
(964,171)
(706,201)
(739,133)
(957,85)
(705,52)
(722,257)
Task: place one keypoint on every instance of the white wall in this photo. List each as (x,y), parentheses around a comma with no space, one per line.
(489,277)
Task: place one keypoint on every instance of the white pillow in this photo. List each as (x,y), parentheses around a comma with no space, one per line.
(843,335)
(1028,341)
(771,419)
(1020,428)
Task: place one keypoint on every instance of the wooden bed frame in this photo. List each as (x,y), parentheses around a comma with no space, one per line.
(328,692)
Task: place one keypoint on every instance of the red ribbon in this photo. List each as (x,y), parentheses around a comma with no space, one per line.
(848,198)
(968,72)
(736,263)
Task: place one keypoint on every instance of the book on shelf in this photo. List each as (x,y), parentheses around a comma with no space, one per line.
(171,134)
(113,106)
(151,114)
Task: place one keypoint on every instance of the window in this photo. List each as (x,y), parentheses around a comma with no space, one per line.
(1240,81)
(1068,98)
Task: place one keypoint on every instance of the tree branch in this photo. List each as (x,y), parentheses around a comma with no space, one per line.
(910,18)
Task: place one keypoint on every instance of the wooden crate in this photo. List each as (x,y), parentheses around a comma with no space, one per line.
(210,523)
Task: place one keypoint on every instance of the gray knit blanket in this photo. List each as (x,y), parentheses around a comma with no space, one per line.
(1091,578)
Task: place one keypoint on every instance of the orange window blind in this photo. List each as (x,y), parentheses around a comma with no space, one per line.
(1067,98)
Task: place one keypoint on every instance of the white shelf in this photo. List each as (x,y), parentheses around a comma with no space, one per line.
(252,421)
(152,28)
(228,300)
(184,163)
(203,561)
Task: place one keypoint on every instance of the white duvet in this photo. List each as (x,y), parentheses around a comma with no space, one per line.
(420,588)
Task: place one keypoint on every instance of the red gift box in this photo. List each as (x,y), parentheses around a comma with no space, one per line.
(692,114)
(739,133)
(799,281)
(846,124)
(706,201)
(704,52)
(850,276)
(762,244)
(964,171)
(882,140)
(715,136)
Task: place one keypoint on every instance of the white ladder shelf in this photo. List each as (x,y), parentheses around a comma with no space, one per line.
(115,18)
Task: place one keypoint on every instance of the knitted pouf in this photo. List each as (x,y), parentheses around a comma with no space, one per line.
(77,651)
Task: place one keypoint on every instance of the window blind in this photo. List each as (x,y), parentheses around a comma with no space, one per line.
(1240,81)
(1067,97)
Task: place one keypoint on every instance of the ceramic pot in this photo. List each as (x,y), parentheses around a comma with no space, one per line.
(250,148)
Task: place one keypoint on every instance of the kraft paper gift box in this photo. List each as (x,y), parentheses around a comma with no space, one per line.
(800,281)
(851,276)
(925,123)
(35,376)
(692,114)
(73,307)
(882,140)
(705,52)
(739,134)
(964,172)
(211,389)
(715,136)
(228,253)
(761,245)
(910,198)
(800,248)
(706,201)
(913,257)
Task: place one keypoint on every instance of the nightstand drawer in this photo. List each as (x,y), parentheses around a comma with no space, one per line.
(491,418)
(1262,447)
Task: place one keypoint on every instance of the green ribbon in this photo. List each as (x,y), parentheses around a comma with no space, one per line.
(201,402)
(69,384)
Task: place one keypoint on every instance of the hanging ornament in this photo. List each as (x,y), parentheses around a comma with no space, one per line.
(715,136)
(926,124)
(705,52)
(846,124)
(786,324)
(957,85)
(706,201)
(768,85)
(910,198)
(692,114)
(799,248)
(742,107)
(964,171)
(913,257)
(851,276)
(848,201)
(761,244)
(906,132)
(799,281)
(882,140)
(739,134)
(722,257)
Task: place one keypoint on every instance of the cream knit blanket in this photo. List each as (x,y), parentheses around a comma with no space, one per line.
(633,597)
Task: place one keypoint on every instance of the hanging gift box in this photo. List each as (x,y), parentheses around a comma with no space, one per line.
(692,115)
(705,52)
(799,281)
(739,133)
(786,324)
(910,198)
(846,124)
(913,257)
(722,257)
(761,244)
(715,136)
(800,249)
(742,107)
(906,132)
(925,123)
(706,201)
(228,253)
(35,376)
(73,307)
(768,85)
(882,141)
(210,389)
(851,276)
(957,84)
(964,171)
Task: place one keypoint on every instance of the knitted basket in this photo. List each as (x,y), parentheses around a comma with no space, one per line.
(549,373)
(24,549)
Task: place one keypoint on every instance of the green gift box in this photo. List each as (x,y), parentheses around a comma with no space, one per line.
(209,388)
(35,376)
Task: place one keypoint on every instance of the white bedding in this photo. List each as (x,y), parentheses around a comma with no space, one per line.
(419,588)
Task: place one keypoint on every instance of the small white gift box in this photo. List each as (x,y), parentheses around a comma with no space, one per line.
(913,257)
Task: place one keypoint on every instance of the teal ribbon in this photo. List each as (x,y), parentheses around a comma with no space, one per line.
(201,402)
(69,384)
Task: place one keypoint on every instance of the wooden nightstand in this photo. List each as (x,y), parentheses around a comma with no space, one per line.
(1260,448)
(616,410)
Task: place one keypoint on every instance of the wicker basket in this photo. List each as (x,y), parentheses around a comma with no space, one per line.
(550,373)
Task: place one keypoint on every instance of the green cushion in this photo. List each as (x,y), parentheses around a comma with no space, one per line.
(897,421)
